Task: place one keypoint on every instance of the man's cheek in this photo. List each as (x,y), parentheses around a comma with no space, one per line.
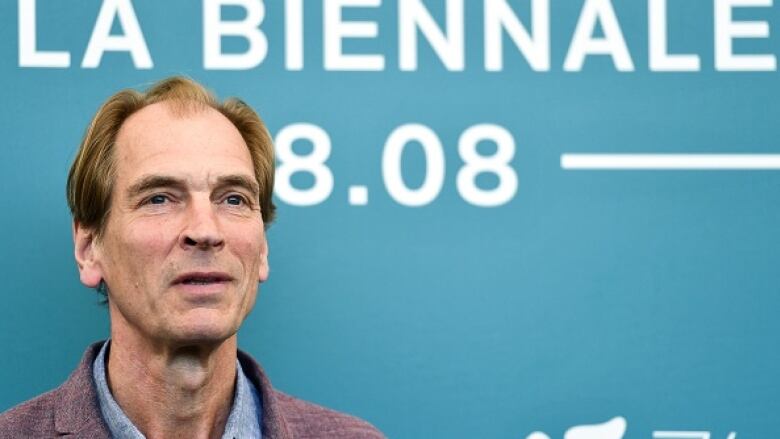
(149,243)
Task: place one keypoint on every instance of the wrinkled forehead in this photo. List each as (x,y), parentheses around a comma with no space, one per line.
(157,123)
(191,144)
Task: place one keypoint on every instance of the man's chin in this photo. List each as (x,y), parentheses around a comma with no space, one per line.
(201,333)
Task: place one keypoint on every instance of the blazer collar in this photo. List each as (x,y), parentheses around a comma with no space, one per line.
(274,424)
(77,409)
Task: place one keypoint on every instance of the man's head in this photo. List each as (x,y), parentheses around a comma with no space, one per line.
(91,178)
(170,194)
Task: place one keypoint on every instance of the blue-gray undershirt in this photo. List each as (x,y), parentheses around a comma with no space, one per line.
(243,421)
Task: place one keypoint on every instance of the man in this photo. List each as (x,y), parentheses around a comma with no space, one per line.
(170,194)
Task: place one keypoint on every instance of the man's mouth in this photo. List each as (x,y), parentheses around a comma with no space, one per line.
(197,278)
(200,281)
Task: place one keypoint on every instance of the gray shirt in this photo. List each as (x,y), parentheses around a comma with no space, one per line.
(243,422)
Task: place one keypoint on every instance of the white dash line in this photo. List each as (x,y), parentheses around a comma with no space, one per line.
(671,161)
(681,435)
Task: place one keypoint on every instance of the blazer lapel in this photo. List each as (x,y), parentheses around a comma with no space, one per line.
(77,410)
(274,424)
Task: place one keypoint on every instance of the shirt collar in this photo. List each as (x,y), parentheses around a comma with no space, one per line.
(243,420)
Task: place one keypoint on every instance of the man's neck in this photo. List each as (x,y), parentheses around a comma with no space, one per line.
(172,391)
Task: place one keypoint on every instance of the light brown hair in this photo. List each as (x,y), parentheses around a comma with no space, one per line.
(91,177)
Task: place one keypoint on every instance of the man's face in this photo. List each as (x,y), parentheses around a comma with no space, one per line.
(184,247)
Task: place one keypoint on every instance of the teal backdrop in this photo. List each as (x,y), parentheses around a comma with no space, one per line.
(650,296)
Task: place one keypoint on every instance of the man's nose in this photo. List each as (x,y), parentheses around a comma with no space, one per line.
(202,229)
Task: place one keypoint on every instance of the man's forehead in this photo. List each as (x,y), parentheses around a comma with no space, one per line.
(167,118)
(175,139)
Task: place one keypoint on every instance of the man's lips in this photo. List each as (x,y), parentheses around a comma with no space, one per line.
(202,278)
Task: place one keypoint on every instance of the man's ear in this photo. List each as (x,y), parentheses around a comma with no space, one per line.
(86,252)
(264,269)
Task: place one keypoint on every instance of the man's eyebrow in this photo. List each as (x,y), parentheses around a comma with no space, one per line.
(153,182)
(150,182)
(241,181)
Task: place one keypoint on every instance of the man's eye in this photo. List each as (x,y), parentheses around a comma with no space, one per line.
(234,200)
(158,199)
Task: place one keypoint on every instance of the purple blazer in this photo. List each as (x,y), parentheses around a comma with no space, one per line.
(72,410)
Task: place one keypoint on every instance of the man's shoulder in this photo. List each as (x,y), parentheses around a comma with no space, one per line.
(30,419)
(299,419)
(309,420)
(70,408)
